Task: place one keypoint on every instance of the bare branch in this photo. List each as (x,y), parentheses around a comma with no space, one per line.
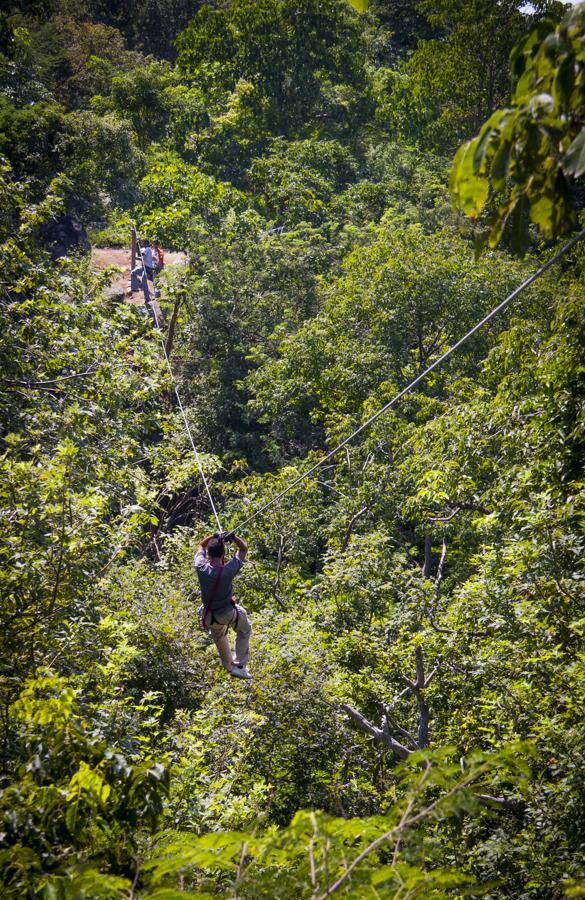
(431,676)
(457,508)
(349,529)
(387,720)
(401,824)
(410,685)
(564,591)
(387,451)
(367,462)
(438,628)
(331,488)
(47,384)
(446,518)
(399,829)
(438,580)
(407,690)
(312,864)
(135,880)
(240,870)
(475,507)
(441,567)
(420,669)
(423,723)
(381,735)
(428,556)
(502,803)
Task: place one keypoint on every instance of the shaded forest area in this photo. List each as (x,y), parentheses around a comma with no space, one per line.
(415,723)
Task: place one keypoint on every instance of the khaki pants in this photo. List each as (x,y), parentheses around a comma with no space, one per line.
(236,618)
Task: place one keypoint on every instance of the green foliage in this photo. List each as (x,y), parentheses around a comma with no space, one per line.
(181,204)
(140,97)
(235,132)
(28,137)
(415,288)
(455,78)
(79,399)
(527,155)
(317,855)
(283,48)
(360,5)
(298,179)
(103,160)
(247,282)
(78,59)
(100,155)
(150,26)
(71,820)
(109,236)
(288,155)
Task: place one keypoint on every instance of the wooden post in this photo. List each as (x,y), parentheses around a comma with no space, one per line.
(133,236)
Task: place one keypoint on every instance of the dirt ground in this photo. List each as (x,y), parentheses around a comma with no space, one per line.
(102,257)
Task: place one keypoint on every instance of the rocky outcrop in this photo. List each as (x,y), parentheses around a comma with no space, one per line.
(65,235)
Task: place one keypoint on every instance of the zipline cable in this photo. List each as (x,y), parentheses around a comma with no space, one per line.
(574,240)
(172,374)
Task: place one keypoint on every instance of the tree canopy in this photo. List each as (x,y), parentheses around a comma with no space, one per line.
(414,726)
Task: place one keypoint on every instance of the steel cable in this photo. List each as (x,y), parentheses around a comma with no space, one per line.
(568,246)
(172,374)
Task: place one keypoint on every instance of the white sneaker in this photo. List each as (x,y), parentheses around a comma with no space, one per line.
(240,672)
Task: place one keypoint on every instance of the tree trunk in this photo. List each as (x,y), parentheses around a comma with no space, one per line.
(428,556)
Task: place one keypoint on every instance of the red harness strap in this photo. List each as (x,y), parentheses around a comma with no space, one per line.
(207,606)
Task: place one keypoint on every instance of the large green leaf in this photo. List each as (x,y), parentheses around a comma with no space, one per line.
(535,146)
(575,161)
(499,168)
(519,219)
(470,189)
(360,5)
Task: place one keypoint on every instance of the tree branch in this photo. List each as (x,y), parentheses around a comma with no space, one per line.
(398,829)
(428,556)
(331,488)
(382,735)
(438,628)
(349,529)
(438,580)
(387,720)
(502,803)
(441,567)
(446,518)
(46,385)
(420,669)
(461,505)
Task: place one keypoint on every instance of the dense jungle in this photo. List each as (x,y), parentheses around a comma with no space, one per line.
(348,189)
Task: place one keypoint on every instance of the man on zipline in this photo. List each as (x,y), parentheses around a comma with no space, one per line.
(219,611)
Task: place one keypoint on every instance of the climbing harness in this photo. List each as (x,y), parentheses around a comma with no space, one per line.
(384,409)
(207,606)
